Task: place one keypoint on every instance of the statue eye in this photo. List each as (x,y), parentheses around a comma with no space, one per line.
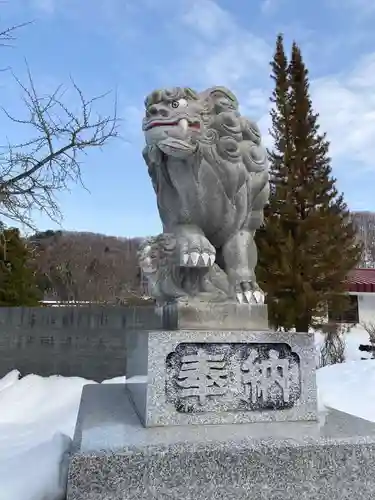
(182,103)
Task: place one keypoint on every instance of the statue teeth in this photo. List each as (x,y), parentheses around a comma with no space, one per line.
(184,124)
(194,258)
(185,258)
(206,258)
(212,259)
(248,296)
(239,298)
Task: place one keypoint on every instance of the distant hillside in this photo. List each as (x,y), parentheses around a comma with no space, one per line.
(90,266)
(85,266)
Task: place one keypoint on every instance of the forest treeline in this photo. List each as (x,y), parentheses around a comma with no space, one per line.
(94,267)
(85,266)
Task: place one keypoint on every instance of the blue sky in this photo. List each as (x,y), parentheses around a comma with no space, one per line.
(134,46)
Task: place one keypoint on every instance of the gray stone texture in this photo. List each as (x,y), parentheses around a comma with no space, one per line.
(198,315)
(115,457)
(160,401)
(87,342)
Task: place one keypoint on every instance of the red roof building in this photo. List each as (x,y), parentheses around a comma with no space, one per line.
(361,281)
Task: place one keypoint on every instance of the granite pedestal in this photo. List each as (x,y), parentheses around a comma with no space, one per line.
(198,315)
(222,376)
(115,457)
(221,413)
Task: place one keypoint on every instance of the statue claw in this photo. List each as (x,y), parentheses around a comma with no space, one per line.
(259,297)
(194,250)
(194,257)
(249,293)
(205,258)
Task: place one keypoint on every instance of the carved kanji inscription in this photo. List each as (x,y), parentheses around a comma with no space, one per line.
(232,377)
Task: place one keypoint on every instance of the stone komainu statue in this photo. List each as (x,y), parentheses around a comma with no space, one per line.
(209,171)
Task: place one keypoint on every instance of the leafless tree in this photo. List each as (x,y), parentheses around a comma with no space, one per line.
(370,329)
(333,348)
(32,172)
(365,224)
(87,266)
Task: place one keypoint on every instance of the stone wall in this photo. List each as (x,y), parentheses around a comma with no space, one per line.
(86,342)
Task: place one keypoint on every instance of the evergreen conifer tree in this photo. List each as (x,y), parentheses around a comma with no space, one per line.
(17,278)
(308,243)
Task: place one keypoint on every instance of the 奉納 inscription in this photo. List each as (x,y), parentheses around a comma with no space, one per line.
(203,375)
(260,377)
(232,377)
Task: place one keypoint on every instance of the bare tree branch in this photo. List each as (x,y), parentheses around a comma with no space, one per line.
(32,172)
(7,34)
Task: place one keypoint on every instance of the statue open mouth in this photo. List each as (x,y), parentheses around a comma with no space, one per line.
(183,122)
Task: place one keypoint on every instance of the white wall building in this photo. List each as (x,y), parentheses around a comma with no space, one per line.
(366,306)
(361,288)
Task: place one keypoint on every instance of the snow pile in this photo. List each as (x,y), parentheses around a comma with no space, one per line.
(348,387)
(353,339)
(33,465)
(38,416)
(37,421)
(32,399)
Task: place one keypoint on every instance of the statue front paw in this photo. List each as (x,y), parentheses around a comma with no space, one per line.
(194,250)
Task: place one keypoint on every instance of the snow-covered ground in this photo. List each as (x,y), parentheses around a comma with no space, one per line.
(38,415)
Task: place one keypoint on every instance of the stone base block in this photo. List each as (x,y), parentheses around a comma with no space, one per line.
(115,457)
(197,315)
(220,377)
